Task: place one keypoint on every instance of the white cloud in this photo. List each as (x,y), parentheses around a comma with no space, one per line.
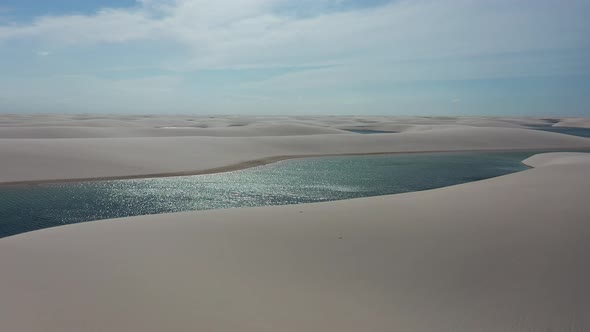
(251,33)
(343,58)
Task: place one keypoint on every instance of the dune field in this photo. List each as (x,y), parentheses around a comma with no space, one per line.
(186,145)
(502,254)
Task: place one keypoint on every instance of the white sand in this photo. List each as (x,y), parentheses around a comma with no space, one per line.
(97,126)
(86,146)
(504,254)
(557,158)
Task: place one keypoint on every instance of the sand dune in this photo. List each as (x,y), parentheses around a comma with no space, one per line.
(557,158)
(97,126)
(232,130)
(504,254)
(42,159)
(578,122)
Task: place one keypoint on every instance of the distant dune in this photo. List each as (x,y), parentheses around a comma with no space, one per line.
(84,147)
(579,123)
(102,126)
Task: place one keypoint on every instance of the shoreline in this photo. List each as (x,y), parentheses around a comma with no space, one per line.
(260,162)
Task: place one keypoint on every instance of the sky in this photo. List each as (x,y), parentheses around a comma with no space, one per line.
(400,57)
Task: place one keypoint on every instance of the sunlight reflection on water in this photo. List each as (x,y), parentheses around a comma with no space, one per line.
(288,182)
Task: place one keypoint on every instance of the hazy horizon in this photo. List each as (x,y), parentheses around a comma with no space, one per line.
(257,57)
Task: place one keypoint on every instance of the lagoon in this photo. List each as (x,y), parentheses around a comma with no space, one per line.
(305,180)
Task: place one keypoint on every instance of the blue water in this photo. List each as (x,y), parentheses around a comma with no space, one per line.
(27,208)
(582,132)
(370,131)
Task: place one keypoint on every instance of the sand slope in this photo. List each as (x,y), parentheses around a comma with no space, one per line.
(504,254)
(557,158)
(232,130)
(576,122)
(42,159)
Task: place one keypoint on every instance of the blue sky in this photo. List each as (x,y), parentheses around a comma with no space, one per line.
(421,57)
(29,9)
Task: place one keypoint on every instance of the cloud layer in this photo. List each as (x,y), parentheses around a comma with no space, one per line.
(331,44)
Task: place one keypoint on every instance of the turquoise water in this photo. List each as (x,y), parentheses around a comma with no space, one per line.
(27,208)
